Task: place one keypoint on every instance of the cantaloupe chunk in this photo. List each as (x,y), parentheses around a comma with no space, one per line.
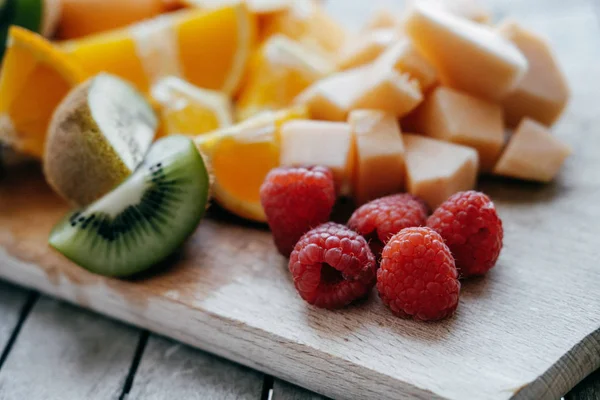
(379,168)
(386,89)
(469,56)
(331,98)
(329,144)
(366,48)
(532,153)
(457,117)
(436,169)
(543,93)
(404,57)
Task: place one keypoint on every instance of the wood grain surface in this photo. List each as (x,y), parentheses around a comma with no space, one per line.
(171,370)
(64,352)
(528,330)
(12,300)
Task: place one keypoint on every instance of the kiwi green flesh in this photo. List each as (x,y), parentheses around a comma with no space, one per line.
(143,220)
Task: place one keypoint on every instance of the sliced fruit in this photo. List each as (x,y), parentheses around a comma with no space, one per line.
(543,92)
(532,153)
(35,77)
(331,98)
(461,50)
(385,89)
(256,6)
(241,156)
(405,58)
(379,168)
(86,17)
(367,47)
(143,220)
(210,49)
(307,22)
(98,136)
(457,117)
(328,144)
(187,109)
(278,72)
(436,170)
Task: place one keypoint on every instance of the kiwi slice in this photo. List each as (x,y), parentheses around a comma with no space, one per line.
(97,137)
(143,220)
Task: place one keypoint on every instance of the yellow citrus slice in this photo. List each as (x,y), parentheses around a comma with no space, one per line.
(190,110)
(306,21)
(210,49)
(256,6)
(241,156)
(34,79)
(278,72)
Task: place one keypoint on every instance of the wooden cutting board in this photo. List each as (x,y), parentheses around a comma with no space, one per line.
(530,329)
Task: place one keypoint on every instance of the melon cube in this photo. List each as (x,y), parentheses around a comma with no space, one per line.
(468,56)
(405,58)
(457,117)
(436,170)
(329,144)
(366,48)
(543,93)
(532,153)
(385,89)
(379,167)
(331,98)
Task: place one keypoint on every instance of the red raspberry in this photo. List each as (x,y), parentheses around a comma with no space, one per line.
(332,266)
(469,224)
(381,219)
(417,277)
(296,200)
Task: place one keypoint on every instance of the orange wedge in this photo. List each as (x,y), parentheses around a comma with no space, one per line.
(85,17)
(278,72)
(34,79)
(256,6)
(241,156)
(307,22)
(190,110)
(209,49)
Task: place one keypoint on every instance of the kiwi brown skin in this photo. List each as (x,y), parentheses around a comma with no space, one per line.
(78,162)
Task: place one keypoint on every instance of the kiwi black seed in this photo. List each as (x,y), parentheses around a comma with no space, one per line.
(143,220)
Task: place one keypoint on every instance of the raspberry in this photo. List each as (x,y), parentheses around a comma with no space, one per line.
(332,266)
(296,200)
(381,219)
(469,224)
(417,277)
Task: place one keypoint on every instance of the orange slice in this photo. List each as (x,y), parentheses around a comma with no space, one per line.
(256,6)
(85,17)
(241,156)
(34,79)
(278,72)
(307,22)
(190,110)
(210,49)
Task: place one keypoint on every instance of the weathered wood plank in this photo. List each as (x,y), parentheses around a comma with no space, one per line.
(170,370)
(12,300)
(588,389)
(63,352)
(286,391)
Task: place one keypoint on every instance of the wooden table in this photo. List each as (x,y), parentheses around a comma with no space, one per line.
(52,350)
